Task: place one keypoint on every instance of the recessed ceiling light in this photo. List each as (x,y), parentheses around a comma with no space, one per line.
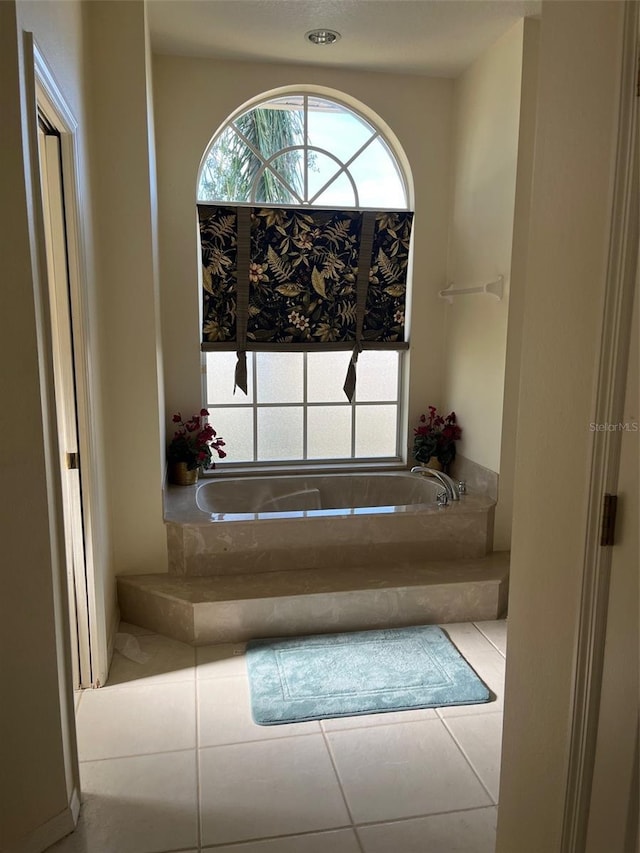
(323,36)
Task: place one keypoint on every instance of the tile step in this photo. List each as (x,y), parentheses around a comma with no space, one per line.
(235,608)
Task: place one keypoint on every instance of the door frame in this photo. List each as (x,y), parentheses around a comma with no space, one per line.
(92,632)
(605,461)
(553,688)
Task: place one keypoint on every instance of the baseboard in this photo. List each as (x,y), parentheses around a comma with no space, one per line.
(74,805)
(50,832)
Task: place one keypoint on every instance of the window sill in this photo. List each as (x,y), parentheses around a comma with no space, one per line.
(298,469)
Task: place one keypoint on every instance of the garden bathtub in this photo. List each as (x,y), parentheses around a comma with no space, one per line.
(272,523)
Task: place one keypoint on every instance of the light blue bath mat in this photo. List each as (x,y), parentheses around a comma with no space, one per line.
(364,672)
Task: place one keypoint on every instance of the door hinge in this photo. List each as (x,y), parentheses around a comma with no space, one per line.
(73,461)
(609,506)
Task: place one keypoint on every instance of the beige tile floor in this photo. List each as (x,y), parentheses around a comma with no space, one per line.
(172,761)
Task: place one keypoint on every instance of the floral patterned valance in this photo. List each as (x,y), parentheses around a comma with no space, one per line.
(303,279)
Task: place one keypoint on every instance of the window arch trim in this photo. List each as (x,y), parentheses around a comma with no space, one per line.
(378,127)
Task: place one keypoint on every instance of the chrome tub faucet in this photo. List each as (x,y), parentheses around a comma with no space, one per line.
(450,486)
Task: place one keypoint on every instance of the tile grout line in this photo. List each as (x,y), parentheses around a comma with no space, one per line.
(355,826)
(468,760)
(340,786)
(260,740)
(486,713)
(489,640)
(381,725)
(144,681)
(368,823)
(490,647)
(262,838)
(135,755)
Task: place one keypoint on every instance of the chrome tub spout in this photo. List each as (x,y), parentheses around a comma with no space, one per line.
(449,485)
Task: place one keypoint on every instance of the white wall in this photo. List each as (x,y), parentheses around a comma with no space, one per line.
(58,30)
(517,285)
(126,268)
(578,90)
(486,139)
(97,54)
(36,728)
(193,97)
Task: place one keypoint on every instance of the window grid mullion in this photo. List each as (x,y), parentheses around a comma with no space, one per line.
(254,373)
(305,421)
(353,423)
(268,167)
(344,170)
(300,403)
(305,172)
(398,414)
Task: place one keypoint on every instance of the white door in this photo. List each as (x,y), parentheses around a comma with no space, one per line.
(613,811)
(65,397)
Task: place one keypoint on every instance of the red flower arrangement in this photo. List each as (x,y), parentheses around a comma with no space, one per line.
(436,436)
(194,442)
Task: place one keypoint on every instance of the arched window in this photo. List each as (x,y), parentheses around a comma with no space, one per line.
(307,151)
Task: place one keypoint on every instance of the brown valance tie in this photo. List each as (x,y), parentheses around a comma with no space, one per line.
(364,268)
(242,290)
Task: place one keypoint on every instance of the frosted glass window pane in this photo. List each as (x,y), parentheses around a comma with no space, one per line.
(326,372)
(280,376)
(329,432)
(279,433)
(235,426)
(221,367)
(377,376)
(376,430)
(377,178)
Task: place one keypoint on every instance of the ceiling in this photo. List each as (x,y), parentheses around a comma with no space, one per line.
(433,37)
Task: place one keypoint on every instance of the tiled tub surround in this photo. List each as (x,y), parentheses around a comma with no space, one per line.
(388,556)
(270,524)
(236,608)
(479,480)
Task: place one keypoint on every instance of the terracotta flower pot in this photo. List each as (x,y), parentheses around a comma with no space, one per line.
(180,475)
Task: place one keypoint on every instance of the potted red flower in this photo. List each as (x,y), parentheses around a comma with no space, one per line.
(434,440)
(192,448)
